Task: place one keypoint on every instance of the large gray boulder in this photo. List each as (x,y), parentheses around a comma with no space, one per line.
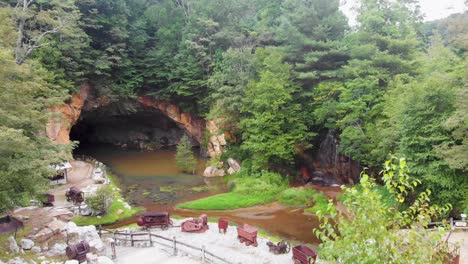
(234,164)
(58,249)
(212,171)
(86,233)
(13,246)
(26,244)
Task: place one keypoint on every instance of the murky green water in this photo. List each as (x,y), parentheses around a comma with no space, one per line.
(151,180)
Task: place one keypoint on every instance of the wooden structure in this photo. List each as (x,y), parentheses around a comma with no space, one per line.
(74,195)
(303,255)
(145,239)
(280,248)
(48,200)
(9,224)
(78,251)
(155,219)
(223,225)
(247,234)
(196,225)
(61,175)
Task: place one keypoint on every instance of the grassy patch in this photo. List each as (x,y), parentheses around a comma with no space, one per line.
(297,196)
(246,191)
(321,203)
(226,201)
(112,215)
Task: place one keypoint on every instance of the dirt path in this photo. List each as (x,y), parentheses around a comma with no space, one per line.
(79,176)
(461,237)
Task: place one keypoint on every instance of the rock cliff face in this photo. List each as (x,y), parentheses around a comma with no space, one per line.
(65,116)
(328,166)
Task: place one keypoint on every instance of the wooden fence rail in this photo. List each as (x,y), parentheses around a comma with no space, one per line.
(152,239)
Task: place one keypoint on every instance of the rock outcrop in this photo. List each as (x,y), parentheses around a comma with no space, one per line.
(65,116)
(213,171)
(192,124)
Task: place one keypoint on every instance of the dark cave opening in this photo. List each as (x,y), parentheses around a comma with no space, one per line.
(138,128)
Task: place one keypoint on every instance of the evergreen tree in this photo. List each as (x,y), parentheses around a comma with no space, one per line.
(273,125)
(185,160)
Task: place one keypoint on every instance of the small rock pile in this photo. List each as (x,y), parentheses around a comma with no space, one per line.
(52,240)
(220,170)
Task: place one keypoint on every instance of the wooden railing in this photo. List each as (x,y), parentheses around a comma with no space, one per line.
(148,237)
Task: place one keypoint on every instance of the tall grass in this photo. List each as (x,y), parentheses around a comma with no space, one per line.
(246,190)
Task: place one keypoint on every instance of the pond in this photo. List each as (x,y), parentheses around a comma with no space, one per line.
(152,180)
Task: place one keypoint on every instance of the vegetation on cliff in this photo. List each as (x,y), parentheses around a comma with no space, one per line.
(281,73)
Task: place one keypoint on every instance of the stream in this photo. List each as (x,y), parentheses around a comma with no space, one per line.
(151,180)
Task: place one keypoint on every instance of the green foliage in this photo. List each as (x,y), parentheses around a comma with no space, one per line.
(226,201)
(273,124)
(247,190)
(25,154)
(118,209)
(102,200)
(297,196)
(373,229)
(320,204)
(185,160)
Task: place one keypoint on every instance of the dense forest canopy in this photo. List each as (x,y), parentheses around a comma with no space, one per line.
(281,73)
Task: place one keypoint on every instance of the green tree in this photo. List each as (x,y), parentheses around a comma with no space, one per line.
(25,151)
(101,200)
(373,230)
(417,110)
(384,46)
(185,160)
(273,125)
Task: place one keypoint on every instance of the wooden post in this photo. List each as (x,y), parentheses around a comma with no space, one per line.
(203,254)
(175,246)
(149,234)
(451,222)
(131,239)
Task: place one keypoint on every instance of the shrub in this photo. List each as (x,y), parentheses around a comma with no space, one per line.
(184,156)
(102,200)
(297,196)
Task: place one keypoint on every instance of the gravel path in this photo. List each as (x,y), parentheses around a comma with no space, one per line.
(226,246)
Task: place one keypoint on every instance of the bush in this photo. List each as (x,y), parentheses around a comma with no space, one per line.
(102,200)
(297,196)
(184,156)
(321,203)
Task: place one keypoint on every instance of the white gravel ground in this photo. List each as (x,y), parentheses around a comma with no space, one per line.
(226,246)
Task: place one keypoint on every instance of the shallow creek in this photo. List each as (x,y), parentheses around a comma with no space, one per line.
(151,180)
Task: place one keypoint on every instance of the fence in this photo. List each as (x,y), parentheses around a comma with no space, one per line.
(148,237)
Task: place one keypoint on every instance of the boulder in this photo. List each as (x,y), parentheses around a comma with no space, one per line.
(26,243)
(43,235)
(231,171)
(96,246)
(234,164)
(212,171)
(58,249)
(73,261)
(36,249)
(91,258)
(57,226)
(13,246)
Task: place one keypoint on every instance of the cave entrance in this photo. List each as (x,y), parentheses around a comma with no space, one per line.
(129,127)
